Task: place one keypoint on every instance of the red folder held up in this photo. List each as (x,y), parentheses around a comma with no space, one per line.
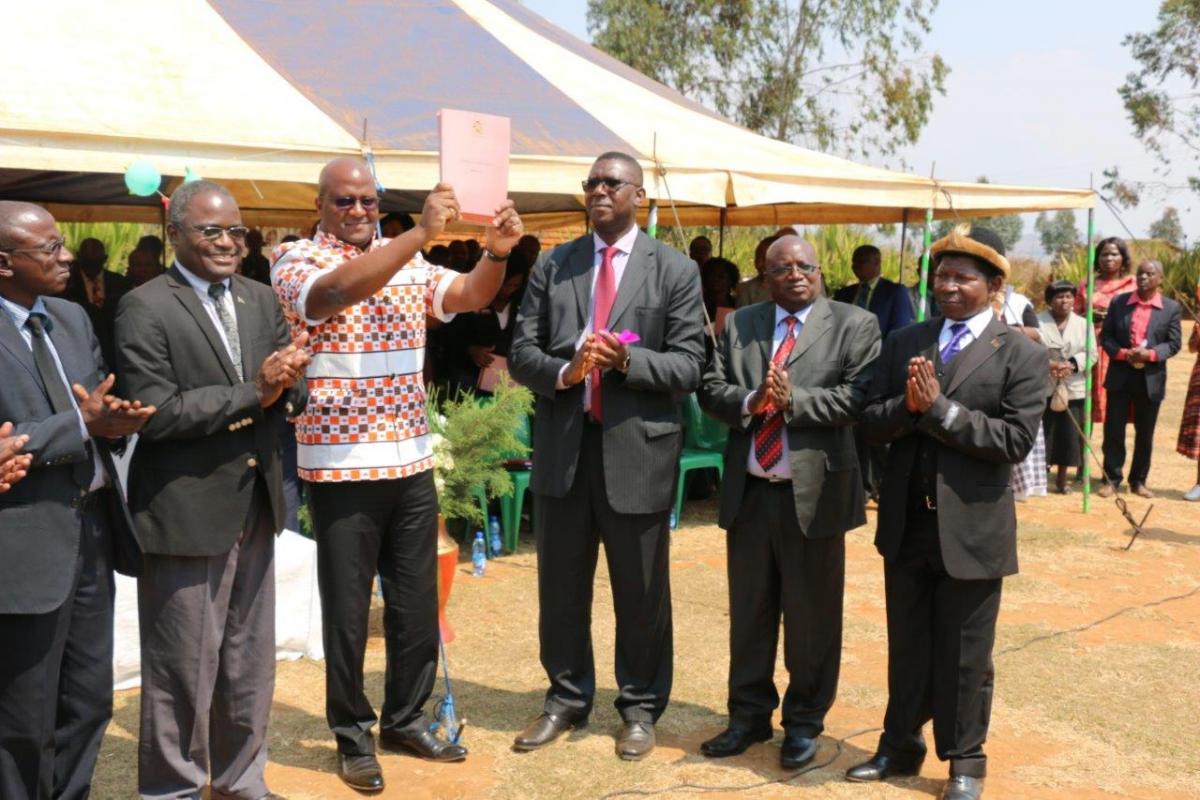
(473,157)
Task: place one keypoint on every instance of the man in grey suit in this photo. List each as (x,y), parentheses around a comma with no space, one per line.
(959,400)
(212,350)
(789,377)
(63,527)
(607,437)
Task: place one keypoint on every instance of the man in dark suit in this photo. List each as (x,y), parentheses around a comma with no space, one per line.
(62,526)
(607,436)
(959,399)
(98,290)
(211,349)
(1141,331)
(890,304)
(789,378)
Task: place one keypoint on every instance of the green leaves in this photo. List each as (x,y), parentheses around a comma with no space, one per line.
(848,76)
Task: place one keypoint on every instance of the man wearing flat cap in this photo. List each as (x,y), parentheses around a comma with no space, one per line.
(959,398)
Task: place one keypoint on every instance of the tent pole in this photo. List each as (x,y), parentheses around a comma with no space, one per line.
(903,242)
(923,286)
(721,237)
(1087,377)
(652,220)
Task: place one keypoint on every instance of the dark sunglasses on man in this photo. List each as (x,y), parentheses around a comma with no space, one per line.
(612,184)
(213,232)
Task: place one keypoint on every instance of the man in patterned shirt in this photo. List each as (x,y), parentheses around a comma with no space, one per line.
(364,445)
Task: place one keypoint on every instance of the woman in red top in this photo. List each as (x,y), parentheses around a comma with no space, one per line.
(1113,268)
(1189,427)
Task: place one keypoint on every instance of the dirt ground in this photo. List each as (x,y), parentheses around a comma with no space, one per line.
(1097,660)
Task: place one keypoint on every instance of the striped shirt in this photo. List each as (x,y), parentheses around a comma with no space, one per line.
(365,418)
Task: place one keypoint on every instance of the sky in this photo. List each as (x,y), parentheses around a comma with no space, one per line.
(1031,99)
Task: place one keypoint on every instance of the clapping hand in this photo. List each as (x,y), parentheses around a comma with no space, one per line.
(775,393)
(922,387)
(13,465)
(581,363)
(282,369)
(608,351)
(107,416)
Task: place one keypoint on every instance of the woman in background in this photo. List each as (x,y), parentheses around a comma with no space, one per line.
(1114,276)
(1072,351)
(1189,427)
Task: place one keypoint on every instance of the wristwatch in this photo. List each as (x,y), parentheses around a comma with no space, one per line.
(496,258)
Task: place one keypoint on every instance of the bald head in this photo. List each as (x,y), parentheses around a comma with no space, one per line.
(791,244)
(15,219)
(343,168)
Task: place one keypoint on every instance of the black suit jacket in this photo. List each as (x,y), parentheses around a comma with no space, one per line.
(829,370)
(192,476)
(39,518)
(889,304)
(1164,336)
(985,420)
(103,316)
(659,299)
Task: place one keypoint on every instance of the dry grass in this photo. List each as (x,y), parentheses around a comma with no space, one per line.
(1097,693)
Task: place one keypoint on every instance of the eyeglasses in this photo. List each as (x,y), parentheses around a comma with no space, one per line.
(213,232)
(50,248)
(782,271)
(612,184)
(347,203)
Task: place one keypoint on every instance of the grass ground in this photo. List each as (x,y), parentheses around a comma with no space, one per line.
(1097,663)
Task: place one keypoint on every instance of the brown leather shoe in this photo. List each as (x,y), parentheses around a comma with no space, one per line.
(544,730)
(635,741)
(1106,490)
(1141,491)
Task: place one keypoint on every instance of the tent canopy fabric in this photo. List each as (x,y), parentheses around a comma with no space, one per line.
(259,95)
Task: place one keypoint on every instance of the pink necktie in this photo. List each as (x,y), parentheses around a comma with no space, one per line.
(605,294)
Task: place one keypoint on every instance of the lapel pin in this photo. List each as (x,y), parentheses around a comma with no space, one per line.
(995,343)
(240,300)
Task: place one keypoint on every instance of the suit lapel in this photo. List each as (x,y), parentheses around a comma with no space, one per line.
(74,364)
(186,295)
(579,270)
(819,322)
(636,270)
(11,339)
(977,353)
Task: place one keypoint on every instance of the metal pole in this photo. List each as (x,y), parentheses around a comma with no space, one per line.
(923,287)
(1087,378)
(652,220)
(903,242)
(721,236)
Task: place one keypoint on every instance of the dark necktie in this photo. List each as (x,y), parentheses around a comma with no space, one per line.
(606,293)
(217,292)
(768,439)
(56,388)
(955,345)
(864,295)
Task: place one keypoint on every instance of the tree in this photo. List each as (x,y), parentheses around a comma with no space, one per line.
(1168,227)
(1009,227)
(1161,96)
(1058,233)
(845,75)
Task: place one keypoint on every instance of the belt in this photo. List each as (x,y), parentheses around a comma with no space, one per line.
(770,479)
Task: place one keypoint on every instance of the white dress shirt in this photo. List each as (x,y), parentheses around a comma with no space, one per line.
(19,315)
(210,305)
(782,469)
(975,326)
(624,247)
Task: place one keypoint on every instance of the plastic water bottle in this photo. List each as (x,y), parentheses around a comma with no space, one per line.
(495,541)
(478,555)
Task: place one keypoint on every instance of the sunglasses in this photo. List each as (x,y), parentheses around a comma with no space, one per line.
(213,232)
(347,203)
(781,271)
(50,248)
(612,184)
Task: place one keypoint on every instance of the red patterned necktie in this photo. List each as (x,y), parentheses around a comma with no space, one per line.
(605,294)
(768,439)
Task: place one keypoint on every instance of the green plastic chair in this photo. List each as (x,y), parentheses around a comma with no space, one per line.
(703,448)
(512,504)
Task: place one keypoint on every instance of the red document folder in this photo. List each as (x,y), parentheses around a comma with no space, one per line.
(473,157)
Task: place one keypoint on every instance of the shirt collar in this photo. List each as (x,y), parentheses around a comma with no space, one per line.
(323,239)
(19,313)
(1153,302)
(198,283)
(975,324)
(782,313)
(624,244)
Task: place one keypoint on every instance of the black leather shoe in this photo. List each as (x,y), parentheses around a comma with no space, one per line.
(881,767)
(962,787)
(360,772)
(734,741)
(796,751)
(422,744)
(635,741)
(544,730)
